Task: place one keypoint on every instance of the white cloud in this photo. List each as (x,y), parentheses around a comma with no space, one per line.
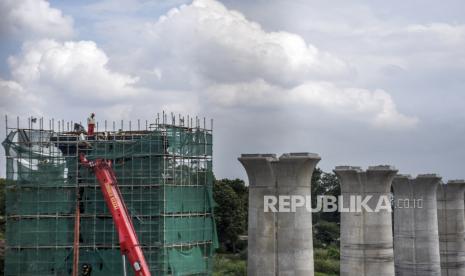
(16,101)
(221,45)
(33,19)
(452,33)
(413,39)
(376,107)
(70,69)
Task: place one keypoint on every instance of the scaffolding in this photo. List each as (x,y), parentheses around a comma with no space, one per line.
(56,216)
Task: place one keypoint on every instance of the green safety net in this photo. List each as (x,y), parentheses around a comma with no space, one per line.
(37,261)
(186,262)
(165,177)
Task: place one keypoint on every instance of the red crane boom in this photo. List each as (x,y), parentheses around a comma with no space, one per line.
(129,243)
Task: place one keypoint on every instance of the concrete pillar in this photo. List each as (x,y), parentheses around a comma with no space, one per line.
(262,257)
(416,238)
(451,227)
(366,237)
(279,243)
(294,233)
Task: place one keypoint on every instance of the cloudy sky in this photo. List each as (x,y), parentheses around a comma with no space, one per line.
(359,82)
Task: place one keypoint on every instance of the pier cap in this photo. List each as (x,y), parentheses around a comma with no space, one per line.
(382,168)
(300,155)
(403,176)
(348,168)
(456,181)
(429,175)
(258,156)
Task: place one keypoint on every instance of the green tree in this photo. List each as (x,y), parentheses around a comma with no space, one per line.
(325,184)
(326,229)
(325,233)
(231,212)
(331,186)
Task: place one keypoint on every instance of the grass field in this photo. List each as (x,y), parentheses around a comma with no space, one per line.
(326,263)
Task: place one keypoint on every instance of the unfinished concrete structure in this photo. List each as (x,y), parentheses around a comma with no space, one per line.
(261,226)
(366,237)
(279,243)
(416,239)
(451,227)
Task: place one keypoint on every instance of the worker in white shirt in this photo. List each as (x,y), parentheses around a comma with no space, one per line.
(91,124)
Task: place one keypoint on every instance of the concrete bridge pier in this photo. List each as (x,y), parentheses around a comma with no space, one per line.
(262,243)
(280,243)
(366,237)
(416,238)
(293,174)
(450,199)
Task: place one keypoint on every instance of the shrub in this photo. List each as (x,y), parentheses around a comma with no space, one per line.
(229,265)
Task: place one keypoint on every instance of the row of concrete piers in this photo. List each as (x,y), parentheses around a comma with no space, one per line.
(424,235)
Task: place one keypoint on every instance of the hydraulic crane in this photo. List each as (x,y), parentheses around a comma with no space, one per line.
(129,243)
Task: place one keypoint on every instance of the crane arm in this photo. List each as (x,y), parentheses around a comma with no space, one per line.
(129,243)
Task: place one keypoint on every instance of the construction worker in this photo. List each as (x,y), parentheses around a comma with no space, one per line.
(86,270)
(91,124)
